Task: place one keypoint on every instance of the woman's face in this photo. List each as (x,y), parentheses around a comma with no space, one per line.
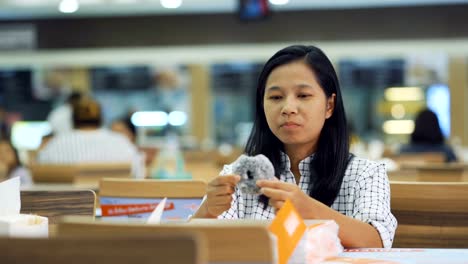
(7,155)
(296,106)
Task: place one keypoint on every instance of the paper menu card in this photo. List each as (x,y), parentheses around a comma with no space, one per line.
(289,228)
(156,215)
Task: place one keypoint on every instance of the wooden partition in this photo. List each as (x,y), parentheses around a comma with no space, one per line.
(227,241)
(419,158)
(79,174)
(53,204)
(443,172)
(144,249)
(430,214)
(151,188)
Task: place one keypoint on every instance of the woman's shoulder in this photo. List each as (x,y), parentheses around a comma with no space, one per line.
(360,167)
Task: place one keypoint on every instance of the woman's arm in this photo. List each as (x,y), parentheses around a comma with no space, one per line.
(353,232)
(218,196)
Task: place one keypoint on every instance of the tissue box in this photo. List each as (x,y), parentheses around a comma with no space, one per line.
(23,225)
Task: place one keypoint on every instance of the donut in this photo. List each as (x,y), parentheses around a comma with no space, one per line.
(252,169)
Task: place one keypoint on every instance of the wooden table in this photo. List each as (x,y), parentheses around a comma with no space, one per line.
(402,256)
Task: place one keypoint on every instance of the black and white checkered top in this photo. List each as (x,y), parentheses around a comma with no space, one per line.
(364,195)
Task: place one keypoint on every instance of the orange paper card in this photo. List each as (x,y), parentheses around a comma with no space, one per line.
(289,227)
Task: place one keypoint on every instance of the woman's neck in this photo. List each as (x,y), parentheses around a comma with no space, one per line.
(296,155)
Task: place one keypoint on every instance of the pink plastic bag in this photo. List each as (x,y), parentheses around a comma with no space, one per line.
(322,242)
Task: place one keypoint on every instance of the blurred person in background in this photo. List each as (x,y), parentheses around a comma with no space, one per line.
(60,118)
(11,164)
(427,137)
(4,128)
(125,126)
(89,143)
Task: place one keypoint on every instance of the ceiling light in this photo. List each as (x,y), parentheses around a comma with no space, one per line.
(69,6)
(404,94)
(398,126)
(177,118)
(155,118)
(171,3)
(279,2)
(398,111)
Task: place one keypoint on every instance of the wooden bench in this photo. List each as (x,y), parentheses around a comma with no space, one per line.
(445,172)
(81,174)
(419,158)
(144,249)
(227,241)
(430,214)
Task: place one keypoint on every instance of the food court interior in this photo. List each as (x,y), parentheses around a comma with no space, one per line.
(184,73)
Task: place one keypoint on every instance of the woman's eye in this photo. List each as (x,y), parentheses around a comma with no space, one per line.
(274,97)
(304,95)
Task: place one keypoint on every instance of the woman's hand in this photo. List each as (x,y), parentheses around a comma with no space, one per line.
(219,195)
(279,191)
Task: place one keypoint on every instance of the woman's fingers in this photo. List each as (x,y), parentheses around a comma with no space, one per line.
(218,204)
(231,179)
(275,184)
(275,194)
(220,200)
(222,185)
(218,209)
(219,193)
(276,204)
(220,190)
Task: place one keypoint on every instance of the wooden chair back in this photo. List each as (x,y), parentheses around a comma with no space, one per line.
(145,249)
(151,188)
(227,241)
(430,173)
(54,204)
(430,214)
(449,170)
(419,158)
(79,174)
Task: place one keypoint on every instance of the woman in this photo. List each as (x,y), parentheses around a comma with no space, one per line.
(10,161)
(427,137)
(300,126)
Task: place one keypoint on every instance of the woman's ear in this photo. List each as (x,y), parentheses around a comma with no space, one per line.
(330,105)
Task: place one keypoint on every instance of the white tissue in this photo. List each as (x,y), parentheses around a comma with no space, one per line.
(14,224)
(10,201)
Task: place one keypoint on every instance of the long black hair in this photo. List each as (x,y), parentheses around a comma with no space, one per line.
(332,155)
(427,129)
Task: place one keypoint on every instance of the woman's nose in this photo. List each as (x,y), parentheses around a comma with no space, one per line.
(289,107)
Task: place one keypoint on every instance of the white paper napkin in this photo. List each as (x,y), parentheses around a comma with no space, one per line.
(10,201)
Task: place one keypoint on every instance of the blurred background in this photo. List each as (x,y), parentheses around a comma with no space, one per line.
(189,67)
